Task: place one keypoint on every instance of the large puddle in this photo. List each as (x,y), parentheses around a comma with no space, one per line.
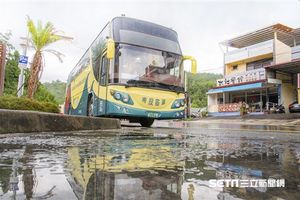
(152,166)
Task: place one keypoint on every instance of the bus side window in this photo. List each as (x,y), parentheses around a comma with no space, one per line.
(103,72)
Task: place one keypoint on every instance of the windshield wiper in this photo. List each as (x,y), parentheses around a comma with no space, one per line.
(171,87)
(133,82)
(152,83)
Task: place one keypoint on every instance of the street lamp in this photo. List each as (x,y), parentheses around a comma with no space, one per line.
(22,66)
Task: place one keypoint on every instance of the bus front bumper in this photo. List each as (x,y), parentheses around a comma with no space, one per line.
(118,110)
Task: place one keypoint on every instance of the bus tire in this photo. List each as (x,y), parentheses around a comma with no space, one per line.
(146,122)
(90,106)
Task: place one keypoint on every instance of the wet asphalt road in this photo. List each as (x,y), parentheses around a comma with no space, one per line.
(172,160)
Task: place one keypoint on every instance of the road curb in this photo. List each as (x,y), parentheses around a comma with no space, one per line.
(19,121)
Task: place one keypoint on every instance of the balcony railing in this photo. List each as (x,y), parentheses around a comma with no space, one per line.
(249,52)
(296,52)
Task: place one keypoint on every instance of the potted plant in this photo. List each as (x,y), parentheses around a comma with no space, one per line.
(243,109)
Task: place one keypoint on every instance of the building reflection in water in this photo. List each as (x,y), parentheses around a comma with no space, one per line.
(245,159)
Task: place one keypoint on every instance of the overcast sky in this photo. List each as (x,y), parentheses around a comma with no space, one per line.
(200,25)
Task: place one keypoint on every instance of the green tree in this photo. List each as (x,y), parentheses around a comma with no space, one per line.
(41,94)
(198,85)
(58,89)
(11,69)
(40,37)
(12,72)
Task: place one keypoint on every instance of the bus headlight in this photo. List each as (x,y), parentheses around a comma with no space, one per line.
(121,96)
(178,103)
(125,98)
(117,96)
(182,103)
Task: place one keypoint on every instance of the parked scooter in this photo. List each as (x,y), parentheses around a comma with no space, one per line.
(279,109)
(276,108)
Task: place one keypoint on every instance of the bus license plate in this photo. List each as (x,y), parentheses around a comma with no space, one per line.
(153,115)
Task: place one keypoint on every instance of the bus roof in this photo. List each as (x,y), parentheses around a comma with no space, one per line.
(137,23)
(146,34)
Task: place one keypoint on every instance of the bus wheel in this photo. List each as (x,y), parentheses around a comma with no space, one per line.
(90,107)
(146,122)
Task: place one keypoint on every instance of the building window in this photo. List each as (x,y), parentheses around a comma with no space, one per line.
(235,67)
(259,64)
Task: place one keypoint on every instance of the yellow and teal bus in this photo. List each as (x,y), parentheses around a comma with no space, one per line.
(132,70)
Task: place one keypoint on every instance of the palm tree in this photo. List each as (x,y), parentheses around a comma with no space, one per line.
(40,37)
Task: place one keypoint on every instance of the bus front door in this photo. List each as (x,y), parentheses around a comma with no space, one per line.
(102,91)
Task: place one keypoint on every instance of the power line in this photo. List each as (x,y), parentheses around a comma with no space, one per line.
(212,69)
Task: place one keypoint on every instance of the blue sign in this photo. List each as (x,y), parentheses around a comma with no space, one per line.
(23,60)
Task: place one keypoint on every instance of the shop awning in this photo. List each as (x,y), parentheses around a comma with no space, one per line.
(235,88)
(292,67)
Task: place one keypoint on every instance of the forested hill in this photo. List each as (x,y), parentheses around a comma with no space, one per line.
(58,89)
(198,85)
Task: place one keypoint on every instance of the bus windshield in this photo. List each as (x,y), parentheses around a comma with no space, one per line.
(142,66)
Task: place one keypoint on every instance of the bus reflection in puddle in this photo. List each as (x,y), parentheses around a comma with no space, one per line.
(142,173)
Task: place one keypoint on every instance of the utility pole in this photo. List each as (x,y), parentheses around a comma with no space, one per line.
(14,180)
(2,66)
(187,97)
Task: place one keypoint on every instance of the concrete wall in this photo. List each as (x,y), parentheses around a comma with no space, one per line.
(240,68)
(242,64)
(223,114)
(12,121)
(288,90)
(298,95)
(283,53)
(288,95)
(212,103)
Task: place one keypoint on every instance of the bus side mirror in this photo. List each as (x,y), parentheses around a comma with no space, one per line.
(110,53)
(193,63)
